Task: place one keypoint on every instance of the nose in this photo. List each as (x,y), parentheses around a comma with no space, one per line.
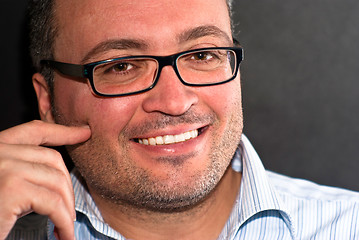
(170,96)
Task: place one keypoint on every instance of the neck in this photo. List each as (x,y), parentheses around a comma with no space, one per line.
(204,221)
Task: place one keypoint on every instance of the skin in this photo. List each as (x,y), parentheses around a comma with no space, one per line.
(193,177)
(36,177)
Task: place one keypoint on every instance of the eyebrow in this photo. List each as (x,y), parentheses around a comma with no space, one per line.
(203,31)
(118,44)
(121,44)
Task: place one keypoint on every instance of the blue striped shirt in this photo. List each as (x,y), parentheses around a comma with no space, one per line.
(268,206)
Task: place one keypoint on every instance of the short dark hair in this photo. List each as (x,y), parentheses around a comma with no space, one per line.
(42,33)
(43,29)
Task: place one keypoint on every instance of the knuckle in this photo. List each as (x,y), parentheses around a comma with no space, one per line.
(62,178)
(47,202)
(60,182)
(53,157)
(55,154)
(57,200)
(50,154)
(56,159)
(38,123)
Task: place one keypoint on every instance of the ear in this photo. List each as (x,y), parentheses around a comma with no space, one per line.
(43,97)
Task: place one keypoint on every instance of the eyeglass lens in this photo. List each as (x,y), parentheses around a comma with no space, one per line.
(136,74)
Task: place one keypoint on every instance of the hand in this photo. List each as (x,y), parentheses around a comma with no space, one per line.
(35,178)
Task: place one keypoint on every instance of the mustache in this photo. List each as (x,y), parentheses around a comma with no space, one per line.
(160,121)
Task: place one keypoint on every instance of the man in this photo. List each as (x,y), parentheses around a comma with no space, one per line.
(146,96)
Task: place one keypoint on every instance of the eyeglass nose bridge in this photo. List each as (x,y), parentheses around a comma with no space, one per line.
(164,61)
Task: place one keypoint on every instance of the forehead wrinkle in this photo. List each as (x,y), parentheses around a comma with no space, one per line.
(203,31)
(115,44)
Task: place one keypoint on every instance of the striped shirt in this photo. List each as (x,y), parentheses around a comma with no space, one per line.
(268,206)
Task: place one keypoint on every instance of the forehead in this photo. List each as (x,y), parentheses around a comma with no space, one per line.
(82,24)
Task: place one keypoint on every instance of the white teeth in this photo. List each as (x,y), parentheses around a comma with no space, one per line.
(187,135)
(179,138)
(194,133)
(169,139)
(152,141)
(159,140)
(145,141)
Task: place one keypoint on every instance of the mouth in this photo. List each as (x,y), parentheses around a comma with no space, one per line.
(170,139)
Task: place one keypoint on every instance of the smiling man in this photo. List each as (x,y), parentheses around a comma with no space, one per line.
(146,96)
(122,167)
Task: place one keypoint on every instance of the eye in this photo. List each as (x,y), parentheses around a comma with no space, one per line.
(202,56)
(121,67)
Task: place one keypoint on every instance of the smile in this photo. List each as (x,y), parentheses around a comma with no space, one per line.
(169,139)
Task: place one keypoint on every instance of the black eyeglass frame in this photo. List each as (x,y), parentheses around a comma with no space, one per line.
(86,70)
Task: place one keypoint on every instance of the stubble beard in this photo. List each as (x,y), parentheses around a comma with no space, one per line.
(113,175)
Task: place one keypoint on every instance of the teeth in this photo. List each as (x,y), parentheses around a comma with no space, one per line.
(169,139)
(159,140)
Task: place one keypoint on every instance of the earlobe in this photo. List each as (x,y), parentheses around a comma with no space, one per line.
(43,97)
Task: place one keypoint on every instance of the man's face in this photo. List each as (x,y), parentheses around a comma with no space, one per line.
(113,162)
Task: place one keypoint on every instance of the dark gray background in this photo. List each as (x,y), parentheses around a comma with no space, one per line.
(300,83)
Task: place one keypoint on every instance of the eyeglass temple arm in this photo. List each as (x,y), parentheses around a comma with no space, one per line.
(69,69)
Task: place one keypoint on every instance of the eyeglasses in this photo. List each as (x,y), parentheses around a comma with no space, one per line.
(136,74)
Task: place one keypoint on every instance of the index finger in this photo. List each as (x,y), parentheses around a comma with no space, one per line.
(46,134)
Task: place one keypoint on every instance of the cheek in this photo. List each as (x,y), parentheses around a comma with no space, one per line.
(109,116)
(76,105)
(225,100)
(69,102)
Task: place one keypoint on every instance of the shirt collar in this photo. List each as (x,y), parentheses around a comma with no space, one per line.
(85,204)
(256,192)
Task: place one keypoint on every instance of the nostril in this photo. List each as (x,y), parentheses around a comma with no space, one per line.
(170,96)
